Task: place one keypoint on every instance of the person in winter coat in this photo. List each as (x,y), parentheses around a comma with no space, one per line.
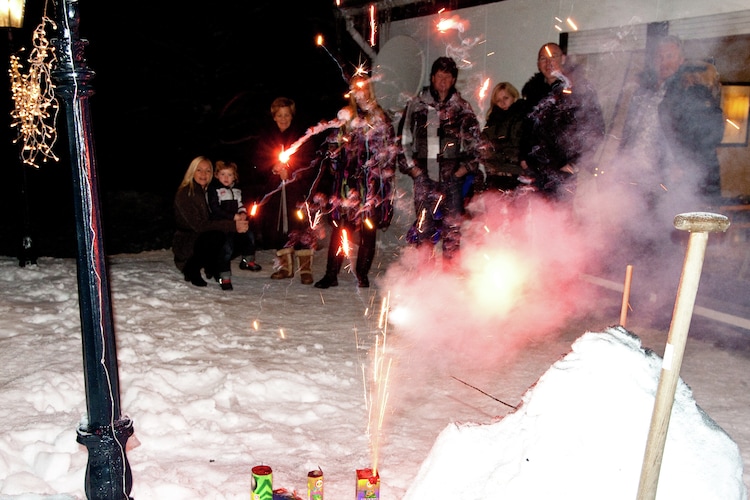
(359,164)
(283,185)
(198,241)
(501,137)
(673,126)
(440,136)
(693,121)
(564,127)
(225,203)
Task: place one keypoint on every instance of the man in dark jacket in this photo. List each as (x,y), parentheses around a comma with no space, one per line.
(673,125)
(440,135)
(564,127)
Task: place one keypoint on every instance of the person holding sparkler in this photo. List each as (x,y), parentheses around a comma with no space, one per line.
(440,135)
(359,162)
(282,185)
(565,125)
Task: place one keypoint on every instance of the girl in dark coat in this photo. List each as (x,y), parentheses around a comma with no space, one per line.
(502,138)
(360,163)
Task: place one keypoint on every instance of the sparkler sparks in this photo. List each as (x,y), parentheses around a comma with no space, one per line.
(376,388)
(319,43)
(345,245)
(483,89)
(373,25)
(422,216)
(440,199)
(454,23)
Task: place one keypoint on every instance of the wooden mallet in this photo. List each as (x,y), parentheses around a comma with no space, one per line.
(699,224)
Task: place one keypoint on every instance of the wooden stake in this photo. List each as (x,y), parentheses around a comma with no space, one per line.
(699,224)
(626,295)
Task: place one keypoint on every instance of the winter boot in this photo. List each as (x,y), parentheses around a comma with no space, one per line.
(248,264)
(225,281)
(285,263)
(304,265)
(333,266)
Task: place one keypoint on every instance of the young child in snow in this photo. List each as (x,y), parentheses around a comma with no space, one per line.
(225,202)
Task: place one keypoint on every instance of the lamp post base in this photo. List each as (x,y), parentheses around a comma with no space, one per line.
(108,473)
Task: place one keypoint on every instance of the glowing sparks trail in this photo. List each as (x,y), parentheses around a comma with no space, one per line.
(285,155)
(422,216)
(483,89)
(319,42)
(345,247)
(373,25)
(376,398)
(314,220)
(454,23)
(440,199)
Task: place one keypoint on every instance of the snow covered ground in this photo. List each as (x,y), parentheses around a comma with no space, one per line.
(283,374)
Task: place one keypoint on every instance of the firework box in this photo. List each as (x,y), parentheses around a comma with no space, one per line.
(368,484)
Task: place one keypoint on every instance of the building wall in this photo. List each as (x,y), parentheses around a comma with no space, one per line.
(499,42)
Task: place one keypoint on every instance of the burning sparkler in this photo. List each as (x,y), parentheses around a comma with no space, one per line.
(483,89)
(373,25)
(319,43)
(345,247)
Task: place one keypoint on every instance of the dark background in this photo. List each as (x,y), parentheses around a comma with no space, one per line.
(171,83)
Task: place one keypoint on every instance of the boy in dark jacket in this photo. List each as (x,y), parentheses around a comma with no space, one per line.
(225,202)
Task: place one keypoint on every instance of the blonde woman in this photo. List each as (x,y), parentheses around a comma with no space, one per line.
(199,241)
(502,138)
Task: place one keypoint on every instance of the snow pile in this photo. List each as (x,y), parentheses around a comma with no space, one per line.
(581,433)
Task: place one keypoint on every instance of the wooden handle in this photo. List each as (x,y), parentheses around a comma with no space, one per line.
(699,224)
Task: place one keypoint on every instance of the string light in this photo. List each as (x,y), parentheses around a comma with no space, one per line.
(35,112)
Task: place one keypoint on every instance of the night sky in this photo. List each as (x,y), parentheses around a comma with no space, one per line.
(172,83)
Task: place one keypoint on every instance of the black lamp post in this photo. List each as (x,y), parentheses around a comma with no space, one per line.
(12,18)
(105,432)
